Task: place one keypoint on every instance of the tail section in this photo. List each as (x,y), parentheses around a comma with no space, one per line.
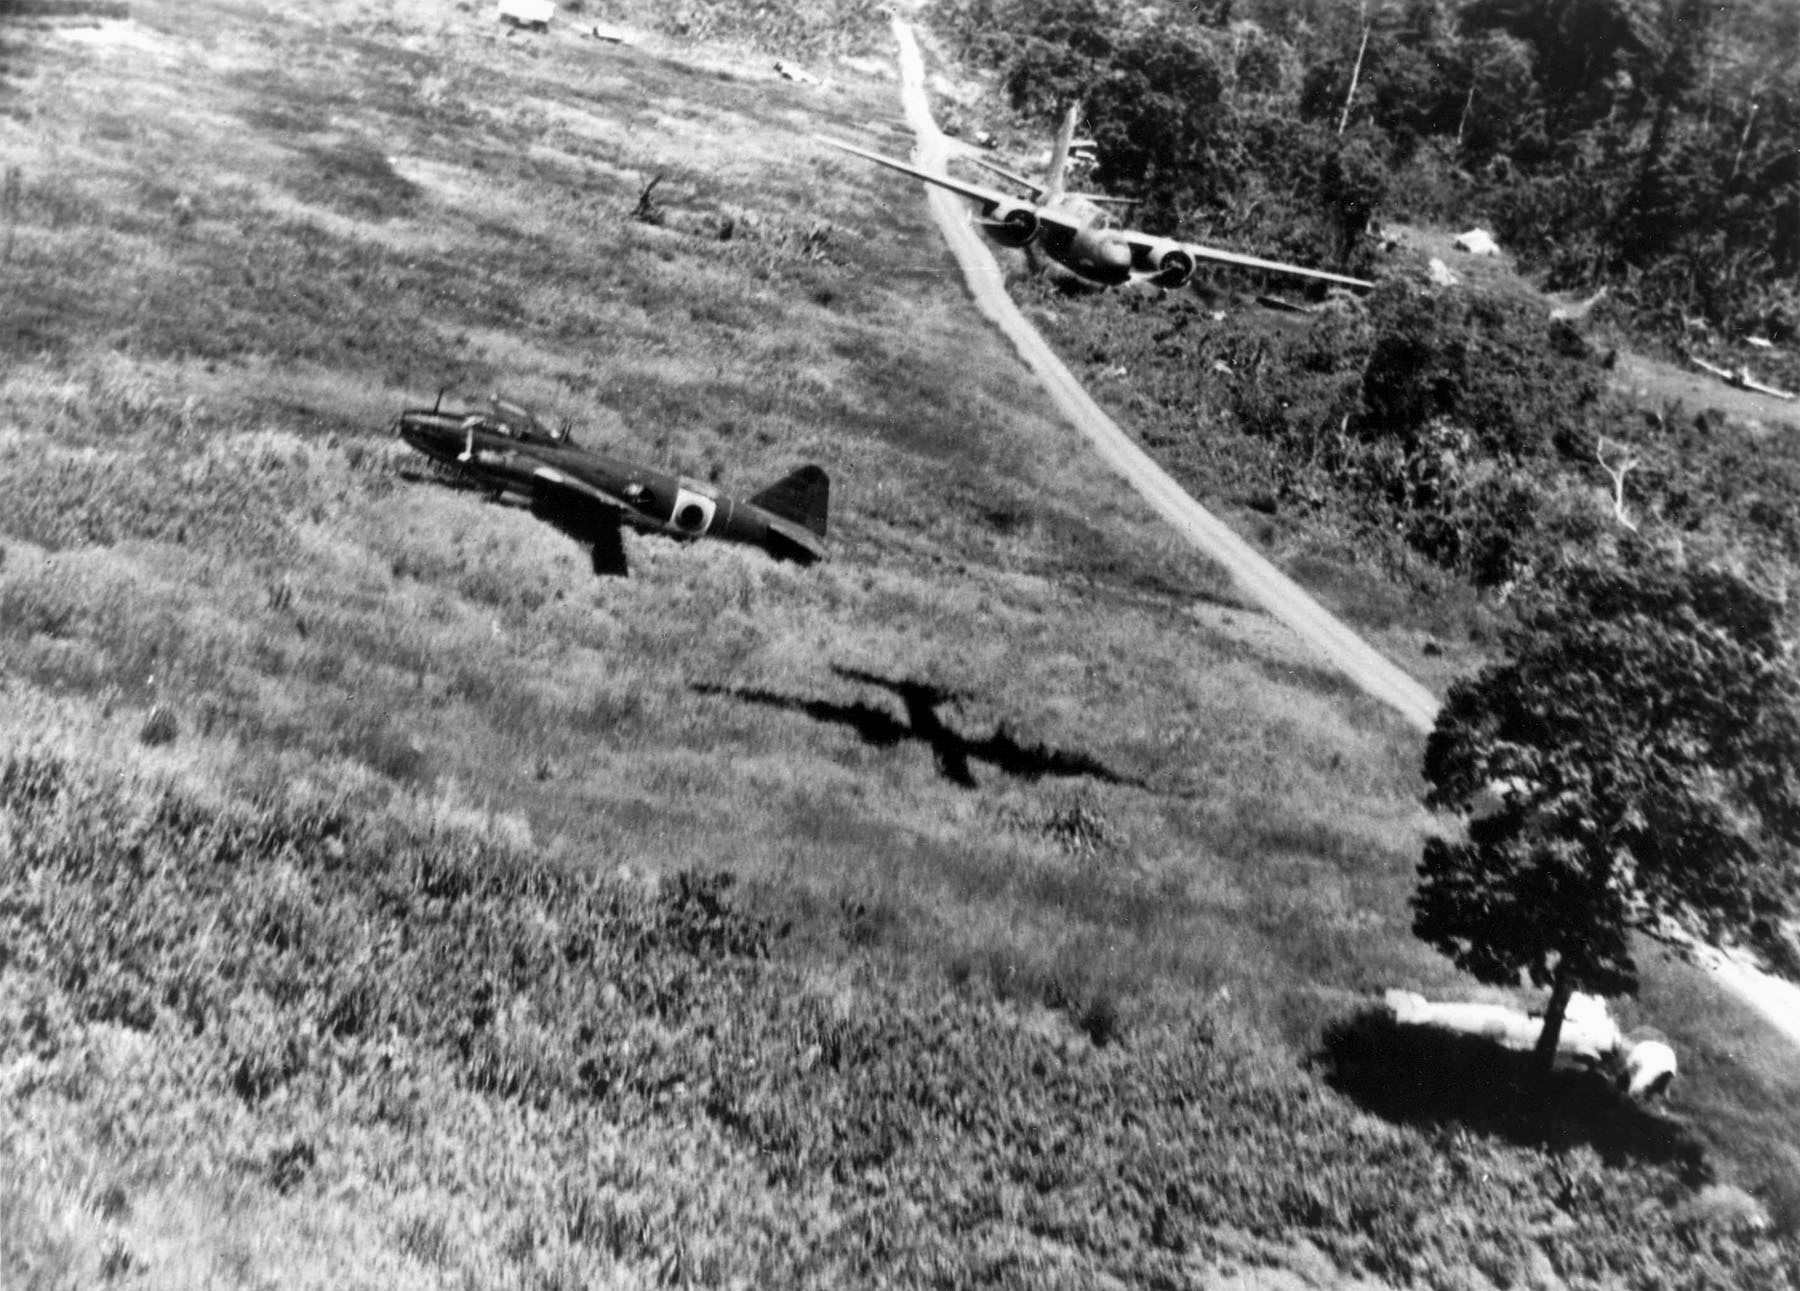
(803,497)
(1055,176)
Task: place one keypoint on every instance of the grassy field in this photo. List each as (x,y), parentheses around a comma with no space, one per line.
(1061,877)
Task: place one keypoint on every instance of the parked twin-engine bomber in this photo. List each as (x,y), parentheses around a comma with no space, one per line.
(590,496)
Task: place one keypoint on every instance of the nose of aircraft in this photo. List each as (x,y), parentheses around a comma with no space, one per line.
(1116,253)
(430,432)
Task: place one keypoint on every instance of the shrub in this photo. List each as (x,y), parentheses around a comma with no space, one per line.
(160,727)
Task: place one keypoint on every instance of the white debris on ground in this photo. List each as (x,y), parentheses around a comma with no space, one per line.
(1441,274)
(798,75)
(1477,242)
(1578,312)
(1496,1022)
(1722,1207)
(1648,1067)
(1588,1028)
(1643,1067)
(527,13)
(1741,378)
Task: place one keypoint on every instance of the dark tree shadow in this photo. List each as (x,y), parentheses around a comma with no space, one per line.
(1427,1077)
(954,752)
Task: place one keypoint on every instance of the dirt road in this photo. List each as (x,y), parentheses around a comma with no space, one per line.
(1259,580)
(1776,1000)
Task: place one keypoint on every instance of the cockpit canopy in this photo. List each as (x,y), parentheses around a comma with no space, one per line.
(516,421)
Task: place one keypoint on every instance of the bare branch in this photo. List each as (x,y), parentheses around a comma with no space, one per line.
(1355,75)
(1626,461)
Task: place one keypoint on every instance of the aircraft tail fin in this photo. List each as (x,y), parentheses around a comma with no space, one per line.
(803,497)
(1055,176)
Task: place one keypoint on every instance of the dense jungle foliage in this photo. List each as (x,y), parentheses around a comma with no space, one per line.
(1448,435)
(1649,145)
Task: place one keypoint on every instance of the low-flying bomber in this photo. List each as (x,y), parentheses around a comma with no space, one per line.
(590,496)
(1075,231)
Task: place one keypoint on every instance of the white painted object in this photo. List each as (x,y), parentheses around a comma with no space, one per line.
(1588,1031)
(1442,275)
(1588,1028)
(1649,1067)
(1496,1022)
(527,13)
(1477,242)
(1642,1068)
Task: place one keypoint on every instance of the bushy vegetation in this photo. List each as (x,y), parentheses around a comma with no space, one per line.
(623,1076)
(798,27)
(1457,432)
(65,9)
(1648,146)
(1193,116)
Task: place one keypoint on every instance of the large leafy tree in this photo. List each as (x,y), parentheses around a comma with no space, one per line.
(1644,742)
(1062,47)
(1156,115)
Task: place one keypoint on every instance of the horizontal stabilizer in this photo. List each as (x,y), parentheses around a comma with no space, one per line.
(1029,185)
(803,497)
(1037,190)
(789,541)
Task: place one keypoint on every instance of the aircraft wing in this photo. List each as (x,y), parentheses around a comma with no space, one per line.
(585,513)
(986,198)
(1030,185)
(1145,243)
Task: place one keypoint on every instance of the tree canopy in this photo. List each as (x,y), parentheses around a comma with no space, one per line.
(1643,740)
(1648,144)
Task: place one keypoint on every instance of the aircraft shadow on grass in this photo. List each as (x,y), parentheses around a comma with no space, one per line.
(955,752)
(1433,1078)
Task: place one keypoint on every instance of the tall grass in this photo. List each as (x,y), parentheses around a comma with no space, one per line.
(384,694)
(613,1079)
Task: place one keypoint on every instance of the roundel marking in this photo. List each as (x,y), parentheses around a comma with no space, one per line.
(693,512)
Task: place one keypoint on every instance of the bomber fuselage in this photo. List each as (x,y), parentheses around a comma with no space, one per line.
(549,472)
(1085,246)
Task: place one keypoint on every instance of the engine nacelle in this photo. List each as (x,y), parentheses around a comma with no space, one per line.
(1165,264)
(1012,226)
